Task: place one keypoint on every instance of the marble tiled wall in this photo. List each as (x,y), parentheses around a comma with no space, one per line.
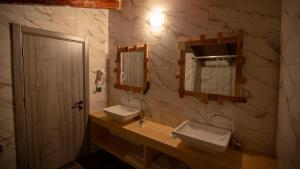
(260,19)
(91,23)
(288,135)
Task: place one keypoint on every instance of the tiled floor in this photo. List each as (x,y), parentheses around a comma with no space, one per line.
(98,160)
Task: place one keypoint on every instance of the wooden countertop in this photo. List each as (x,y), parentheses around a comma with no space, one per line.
(158,137)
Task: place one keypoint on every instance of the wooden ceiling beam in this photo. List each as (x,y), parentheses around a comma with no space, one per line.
(106,4)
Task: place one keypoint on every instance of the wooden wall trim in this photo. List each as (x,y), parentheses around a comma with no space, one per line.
(18,93)
(182,73)
(216,97)
(86,147)
(146,84)
(106,4)
(134,89)
(45,33)
(239,65)
(118,62)
(117,70)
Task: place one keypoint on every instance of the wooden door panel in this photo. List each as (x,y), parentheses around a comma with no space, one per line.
(53,73)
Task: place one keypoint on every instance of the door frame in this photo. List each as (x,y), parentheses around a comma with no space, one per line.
(18,85)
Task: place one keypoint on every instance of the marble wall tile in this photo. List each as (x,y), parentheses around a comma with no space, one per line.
(138,15)
(164,78)
(251,118)
(288,137)
(187,20)
(6,102)
(290,33)
(10,14)
(98,101)
(5,75)
(259,53)
(175,110)
(5,64)
(153,104)
(89,23)
(7,135)
(253,139)
(57,19)
(287,140)
(5,51)
(180,20)
(255,17)
(7,139)
(8,159)
(259,107)
(156,56)
(119,27)
(262,85)
(93,24)
(93,20)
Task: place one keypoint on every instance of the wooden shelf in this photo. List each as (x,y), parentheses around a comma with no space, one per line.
(136,156)
(156,138)
(112,144)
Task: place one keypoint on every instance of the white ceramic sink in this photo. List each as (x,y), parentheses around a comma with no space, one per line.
(202,136)
(121,113)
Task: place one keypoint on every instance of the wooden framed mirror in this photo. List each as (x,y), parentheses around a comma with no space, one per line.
(132,69)
(211,69)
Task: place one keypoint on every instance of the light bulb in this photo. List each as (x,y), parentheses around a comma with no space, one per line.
(157,19)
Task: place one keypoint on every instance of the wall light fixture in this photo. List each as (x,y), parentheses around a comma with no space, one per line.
(157,19)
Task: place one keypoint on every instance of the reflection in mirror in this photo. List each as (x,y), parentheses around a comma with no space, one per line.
(132,70)
(211,69)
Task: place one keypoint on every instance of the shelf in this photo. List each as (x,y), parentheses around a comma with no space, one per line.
(136,156)
(113,144)
(214,57)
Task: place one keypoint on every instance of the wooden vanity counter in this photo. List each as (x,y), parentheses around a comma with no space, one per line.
(157,137)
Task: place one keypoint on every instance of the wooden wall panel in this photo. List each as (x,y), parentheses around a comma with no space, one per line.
(108,4)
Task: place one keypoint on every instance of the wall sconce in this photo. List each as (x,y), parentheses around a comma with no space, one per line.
(157,20)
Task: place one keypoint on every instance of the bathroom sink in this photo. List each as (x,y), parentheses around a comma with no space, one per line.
(121,113)
(203,136)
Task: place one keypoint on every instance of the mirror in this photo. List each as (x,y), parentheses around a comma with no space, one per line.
(212,68)
(132,69)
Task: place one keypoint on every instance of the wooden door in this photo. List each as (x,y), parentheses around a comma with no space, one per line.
(55,102)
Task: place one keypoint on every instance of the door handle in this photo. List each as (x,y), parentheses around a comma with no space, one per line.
(78,105)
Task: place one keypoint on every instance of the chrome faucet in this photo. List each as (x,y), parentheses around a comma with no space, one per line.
(141,109)
(142,113)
